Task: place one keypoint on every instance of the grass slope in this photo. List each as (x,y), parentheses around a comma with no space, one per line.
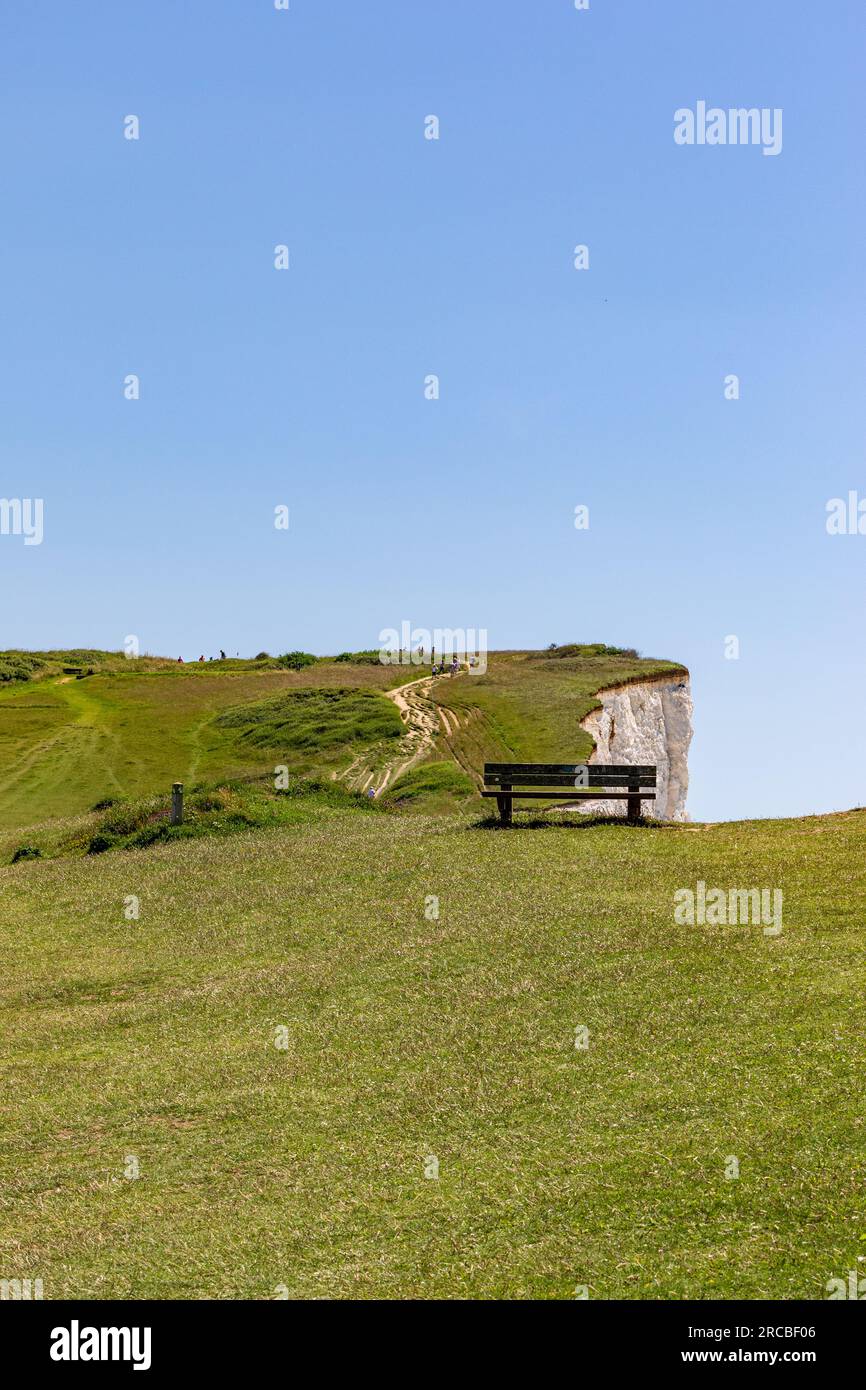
(406,1038)
(528,705)
(313,722)
(65,743)
(134,727)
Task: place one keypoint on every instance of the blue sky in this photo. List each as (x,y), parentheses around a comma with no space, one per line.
(408,257)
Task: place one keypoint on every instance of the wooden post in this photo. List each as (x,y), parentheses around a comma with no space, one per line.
(633,803)
(505,803)
(177,803)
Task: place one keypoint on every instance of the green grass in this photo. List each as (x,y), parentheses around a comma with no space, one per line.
(134,727)
(408,1034)
(221,809)
(133,730)
(433,784)
(528,705)
(313,722)
(407,1037)
(17,665)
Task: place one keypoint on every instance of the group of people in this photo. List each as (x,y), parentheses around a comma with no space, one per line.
(443,667)
(222,657)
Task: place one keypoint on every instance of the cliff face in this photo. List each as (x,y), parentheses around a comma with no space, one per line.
(646,722)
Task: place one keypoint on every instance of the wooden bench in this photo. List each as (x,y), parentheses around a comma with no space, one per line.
(593,781)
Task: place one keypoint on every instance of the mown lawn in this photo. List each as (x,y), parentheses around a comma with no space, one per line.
(408,1039)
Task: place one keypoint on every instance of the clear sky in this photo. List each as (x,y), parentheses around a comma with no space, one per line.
(558,387)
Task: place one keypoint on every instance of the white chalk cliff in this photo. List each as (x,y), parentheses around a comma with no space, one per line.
(646,722)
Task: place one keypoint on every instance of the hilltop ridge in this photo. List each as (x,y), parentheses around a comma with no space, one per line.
(81,725)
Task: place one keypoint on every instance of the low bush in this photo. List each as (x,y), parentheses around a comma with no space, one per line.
(296,661)
(18,666)
(222,809)
(100,843)
(587,649)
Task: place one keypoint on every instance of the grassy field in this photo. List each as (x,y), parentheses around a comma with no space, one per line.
(66,743)
(528,705)
(134,727)
(311,1043)
(296,1159)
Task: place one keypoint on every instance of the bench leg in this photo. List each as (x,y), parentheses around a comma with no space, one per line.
(504,804)
(633,808)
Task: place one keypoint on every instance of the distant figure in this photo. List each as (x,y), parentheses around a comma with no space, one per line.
(222,655)
(201,658)
(180,660)
(455,666)
(435,671)
(372,791)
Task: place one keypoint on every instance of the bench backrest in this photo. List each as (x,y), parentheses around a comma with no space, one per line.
(615,776)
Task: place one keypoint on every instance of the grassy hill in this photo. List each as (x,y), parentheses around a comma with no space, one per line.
(282,1043)
(306,1041)
(528,705)
(133,727)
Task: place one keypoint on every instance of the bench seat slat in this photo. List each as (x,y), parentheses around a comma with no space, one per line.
(539,779)
(621,769)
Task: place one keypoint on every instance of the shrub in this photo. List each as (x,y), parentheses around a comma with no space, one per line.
(295,661)
(588,649)
(26,852)
(153,834)
(100,843)
(368,658)
(214,799)
(23,666)
(18,666)
(126,816)
(301,785)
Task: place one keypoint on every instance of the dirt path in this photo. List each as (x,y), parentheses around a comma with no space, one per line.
(421,717)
